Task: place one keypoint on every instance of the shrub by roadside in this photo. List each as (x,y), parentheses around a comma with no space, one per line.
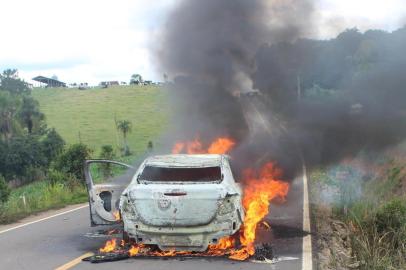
(378,236)
(71,161)
(63,185)
(4,190)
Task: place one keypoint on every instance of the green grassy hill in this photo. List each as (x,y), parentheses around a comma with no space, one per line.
(89,116)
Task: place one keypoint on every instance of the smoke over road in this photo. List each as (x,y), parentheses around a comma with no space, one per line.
(215,50)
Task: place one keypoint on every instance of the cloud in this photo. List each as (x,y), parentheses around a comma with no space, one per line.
(95,40)
(80,40)
(338,15)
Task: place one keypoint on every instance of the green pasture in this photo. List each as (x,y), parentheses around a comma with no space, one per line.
(89,116)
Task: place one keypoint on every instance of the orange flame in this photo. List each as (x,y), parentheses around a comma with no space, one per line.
(221,145)
(109,246)
(134,250)
(168,253)
(224,243)
(178,148)
(222,247)
(260,189)
(116,215)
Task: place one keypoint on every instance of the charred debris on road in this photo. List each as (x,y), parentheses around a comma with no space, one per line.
(263,252)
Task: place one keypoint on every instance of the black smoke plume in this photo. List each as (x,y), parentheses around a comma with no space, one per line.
(318,101)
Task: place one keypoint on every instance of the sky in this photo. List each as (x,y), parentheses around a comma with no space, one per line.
(102,40)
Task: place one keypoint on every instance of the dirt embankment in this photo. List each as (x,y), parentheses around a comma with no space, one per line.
(333,242)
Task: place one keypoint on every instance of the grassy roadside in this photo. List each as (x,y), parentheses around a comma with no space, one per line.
(40,196)
(359,211)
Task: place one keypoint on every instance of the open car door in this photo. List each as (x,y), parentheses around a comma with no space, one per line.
(105,181)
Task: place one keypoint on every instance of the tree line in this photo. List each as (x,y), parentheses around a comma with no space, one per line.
(29,150)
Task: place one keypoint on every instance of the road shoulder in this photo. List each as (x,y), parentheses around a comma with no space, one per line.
(40,216)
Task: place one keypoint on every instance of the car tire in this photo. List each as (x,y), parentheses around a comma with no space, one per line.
(236,238)
(126,238)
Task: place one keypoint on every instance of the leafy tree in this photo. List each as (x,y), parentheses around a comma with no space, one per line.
(22,156)
(10,82)
(10,73)
(22,153)
(9,105)
(52,145)
(72,160)
(27,157)
(30,113)
(3,156)
(125,127)
(136,79)
(4,190)
(107,153)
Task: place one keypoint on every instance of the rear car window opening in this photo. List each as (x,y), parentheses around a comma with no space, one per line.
(162,174)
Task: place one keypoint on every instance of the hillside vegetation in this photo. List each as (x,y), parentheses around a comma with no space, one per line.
(89,116)
(359,211)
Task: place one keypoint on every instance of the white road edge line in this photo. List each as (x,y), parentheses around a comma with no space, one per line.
(307,259)
(42,219)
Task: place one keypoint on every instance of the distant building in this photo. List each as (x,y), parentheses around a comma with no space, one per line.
(83,86)
(109,83)
(49,82)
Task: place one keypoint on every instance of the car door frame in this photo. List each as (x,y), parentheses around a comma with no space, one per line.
(98,214)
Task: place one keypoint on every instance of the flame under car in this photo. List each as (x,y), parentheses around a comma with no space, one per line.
(177,202)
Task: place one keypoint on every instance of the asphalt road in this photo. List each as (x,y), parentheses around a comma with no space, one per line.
(57,241)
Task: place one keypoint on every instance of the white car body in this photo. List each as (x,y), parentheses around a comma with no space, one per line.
(180,202)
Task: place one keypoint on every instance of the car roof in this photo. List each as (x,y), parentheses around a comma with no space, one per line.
(183,160)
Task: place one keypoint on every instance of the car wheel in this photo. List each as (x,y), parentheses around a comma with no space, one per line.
(126,238)
(236,238)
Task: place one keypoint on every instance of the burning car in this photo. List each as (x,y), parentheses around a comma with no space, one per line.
(177,202)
